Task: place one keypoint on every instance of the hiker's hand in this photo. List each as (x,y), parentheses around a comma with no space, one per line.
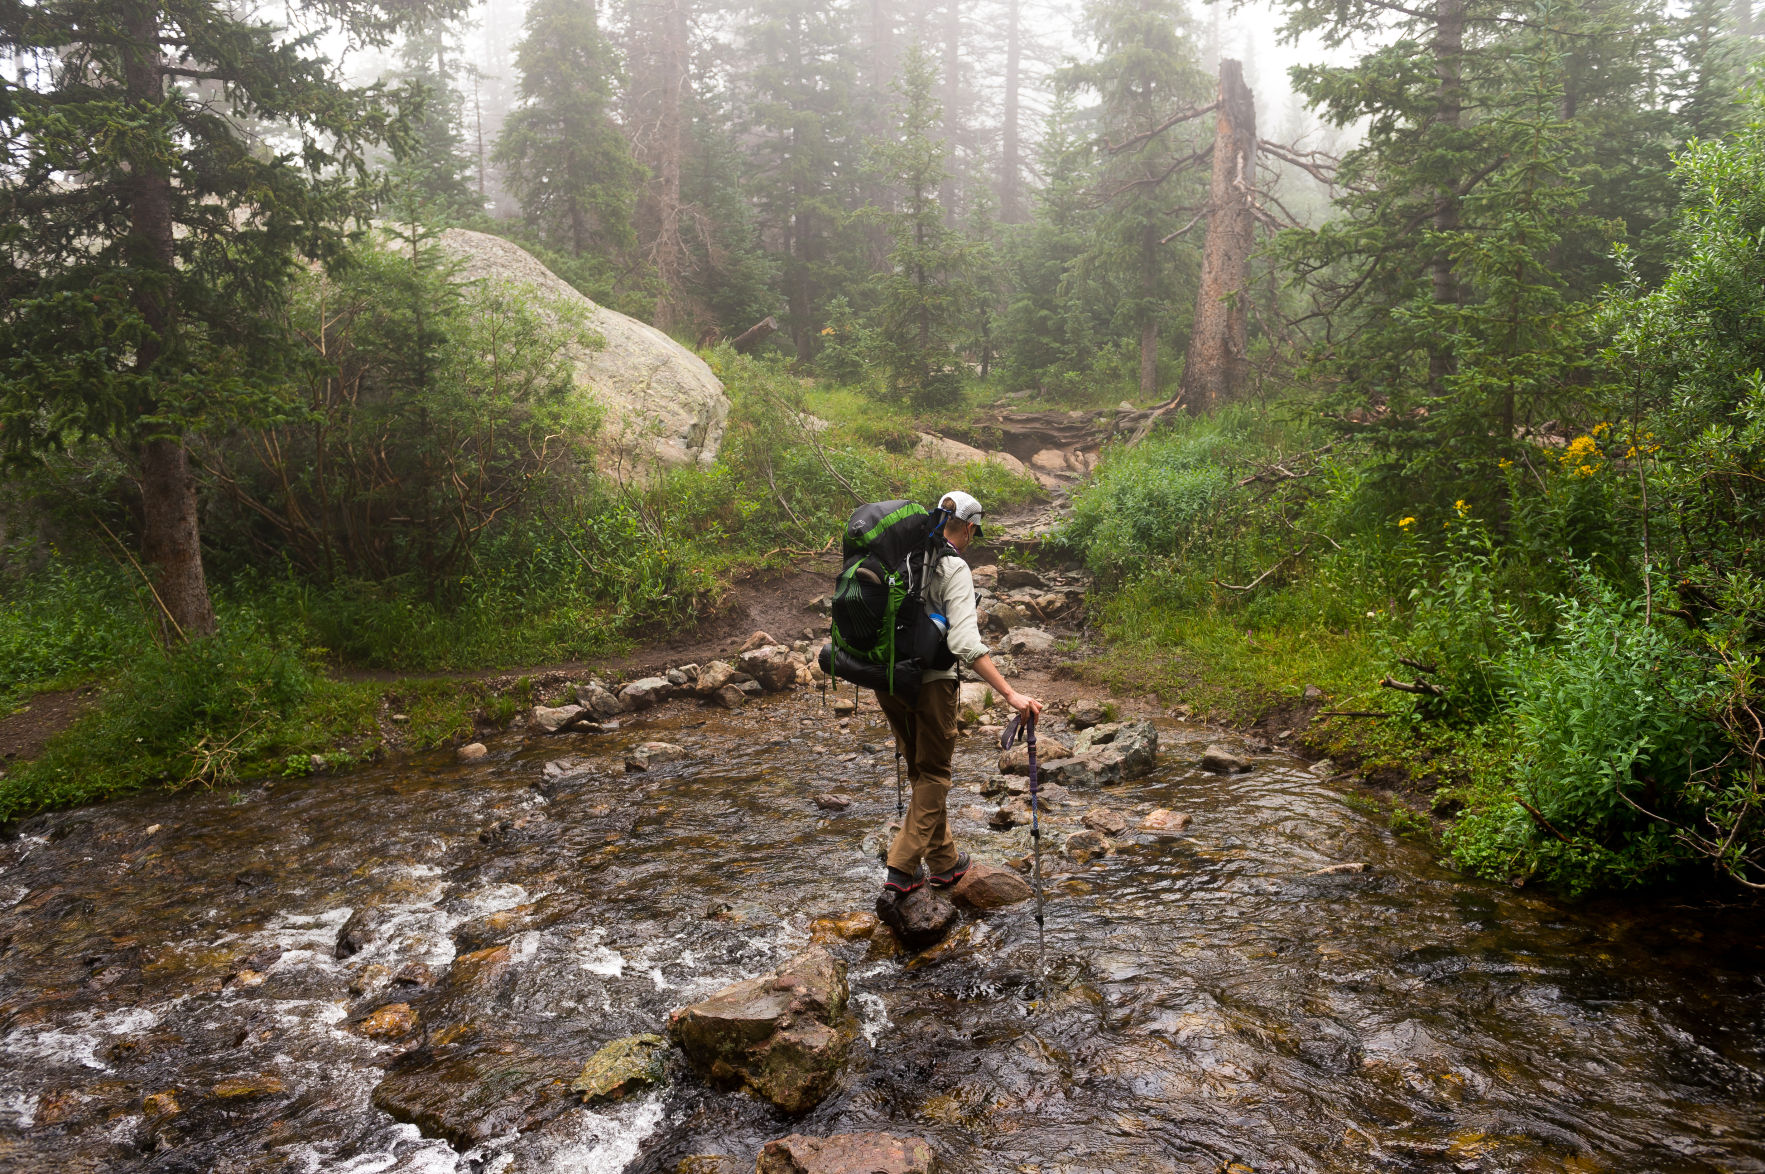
(1028,706)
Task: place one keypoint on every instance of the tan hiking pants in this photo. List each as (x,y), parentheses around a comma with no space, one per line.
(925,733)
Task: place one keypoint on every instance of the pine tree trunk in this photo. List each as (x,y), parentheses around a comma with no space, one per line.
(1010,169)
(1149,248)
(1217,367)
(1449,45)
(952,93)
(170,542)
(673,64)
(1149,357)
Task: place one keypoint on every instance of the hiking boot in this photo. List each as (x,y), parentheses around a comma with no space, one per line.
(943,880)
(900,883)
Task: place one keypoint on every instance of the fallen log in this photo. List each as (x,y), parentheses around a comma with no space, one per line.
(756,334)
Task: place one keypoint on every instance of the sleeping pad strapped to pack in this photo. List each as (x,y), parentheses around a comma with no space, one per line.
(883,635)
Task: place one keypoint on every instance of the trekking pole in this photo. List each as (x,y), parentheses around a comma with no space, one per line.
(1006,741)
(1036,854)
(900,808)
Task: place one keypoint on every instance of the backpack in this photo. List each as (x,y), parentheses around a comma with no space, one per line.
(883,636)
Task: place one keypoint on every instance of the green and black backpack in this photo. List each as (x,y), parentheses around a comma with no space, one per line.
(884,636)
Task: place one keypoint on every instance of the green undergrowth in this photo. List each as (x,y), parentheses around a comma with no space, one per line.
(1558,728)
(594,566)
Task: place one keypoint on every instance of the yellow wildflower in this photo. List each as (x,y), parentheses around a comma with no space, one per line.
(827,330)
(1462,506)
(1600,428)
(1582,455)
(1504,463)
(1405,523)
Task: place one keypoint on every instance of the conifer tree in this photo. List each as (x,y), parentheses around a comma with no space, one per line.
(926,290)
(799,115)
(1144,77)
(566,161)
(434,169)
(147,243)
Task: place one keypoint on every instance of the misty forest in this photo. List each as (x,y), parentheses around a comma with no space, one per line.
(427,431)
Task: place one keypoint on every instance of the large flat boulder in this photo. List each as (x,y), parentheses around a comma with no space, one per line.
(662,401)
(468,1096)
(783,1036)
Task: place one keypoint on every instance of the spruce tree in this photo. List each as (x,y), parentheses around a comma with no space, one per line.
(433,169)
(148,243)
(1144,77)
(566,161)
(926,293)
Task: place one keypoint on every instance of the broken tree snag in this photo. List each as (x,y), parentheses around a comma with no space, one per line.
(1218,366)
(1424,688)
(756,334)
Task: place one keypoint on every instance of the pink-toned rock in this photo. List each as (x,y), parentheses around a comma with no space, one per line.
(1102,819)
(773,665)
(1165,822)
(783,1036)
(757,640)
(986,887)
(847,1153)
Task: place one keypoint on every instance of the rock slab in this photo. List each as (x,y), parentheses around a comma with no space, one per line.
(663,402)
(783,1036)
(847,1153)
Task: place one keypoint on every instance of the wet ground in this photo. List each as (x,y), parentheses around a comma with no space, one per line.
(171,995)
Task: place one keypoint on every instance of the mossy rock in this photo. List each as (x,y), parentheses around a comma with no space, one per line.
(622,1067)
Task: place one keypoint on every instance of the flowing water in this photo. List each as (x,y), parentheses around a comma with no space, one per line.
(1208,1005)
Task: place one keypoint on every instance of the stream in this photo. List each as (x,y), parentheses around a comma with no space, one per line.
(172,996)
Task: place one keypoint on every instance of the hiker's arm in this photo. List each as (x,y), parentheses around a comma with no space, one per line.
(964,635)
(986,670)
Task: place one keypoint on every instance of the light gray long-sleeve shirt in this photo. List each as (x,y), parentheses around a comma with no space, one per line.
(951,594)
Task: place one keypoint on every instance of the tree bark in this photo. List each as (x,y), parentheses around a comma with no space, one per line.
(170,541)
(1149,259)
(1218,367)
(669,57)
(1010,168)
(1449,49)
(952,95)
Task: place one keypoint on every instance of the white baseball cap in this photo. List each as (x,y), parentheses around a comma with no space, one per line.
(963,507)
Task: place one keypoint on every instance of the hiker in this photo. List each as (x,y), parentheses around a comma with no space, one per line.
(925,727)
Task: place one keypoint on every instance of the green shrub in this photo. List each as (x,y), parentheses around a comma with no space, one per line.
(1611,717)
(63,622)
(191,715)
(1151,500)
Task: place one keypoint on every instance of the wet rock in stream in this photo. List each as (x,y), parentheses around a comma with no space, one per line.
(1016,761)
(920,919)
(468,1095)
(1222,761)
(783,1036)
(847,1153)
(623,1067)
(986,887)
